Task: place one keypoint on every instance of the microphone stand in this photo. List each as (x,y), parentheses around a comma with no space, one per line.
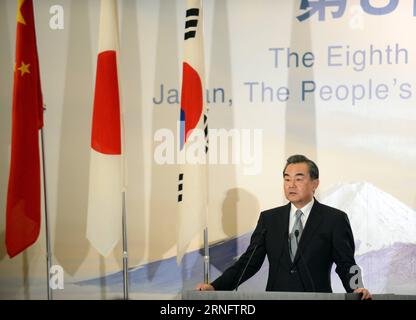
(249,259)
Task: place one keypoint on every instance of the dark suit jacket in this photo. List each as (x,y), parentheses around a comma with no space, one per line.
(327,238)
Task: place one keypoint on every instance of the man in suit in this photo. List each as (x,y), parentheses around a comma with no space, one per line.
(301,240)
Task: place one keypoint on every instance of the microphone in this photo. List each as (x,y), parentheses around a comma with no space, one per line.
(304,263)
(262,232)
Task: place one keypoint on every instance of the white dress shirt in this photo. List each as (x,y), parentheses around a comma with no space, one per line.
(306,211)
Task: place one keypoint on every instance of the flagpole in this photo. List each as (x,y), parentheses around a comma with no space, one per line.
(206,244)
(125,251)
(48,241)
(206,256)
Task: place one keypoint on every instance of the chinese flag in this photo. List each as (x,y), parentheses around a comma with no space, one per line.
(23,197)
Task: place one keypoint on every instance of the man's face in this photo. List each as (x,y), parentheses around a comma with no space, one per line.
(298,185)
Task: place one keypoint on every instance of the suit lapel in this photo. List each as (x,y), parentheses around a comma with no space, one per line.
(314,220)
(285,223)
(281,224)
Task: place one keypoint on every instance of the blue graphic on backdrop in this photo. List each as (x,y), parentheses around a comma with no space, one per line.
(166,277)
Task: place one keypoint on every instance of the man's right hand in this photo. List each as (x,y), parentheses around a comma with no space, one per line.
(204,287)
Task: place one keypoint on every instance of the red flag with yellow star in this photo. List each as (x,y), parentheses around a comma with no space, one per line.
(23,196)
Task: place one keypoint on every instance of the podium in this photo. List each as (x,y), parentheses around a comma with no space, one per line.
(237,295)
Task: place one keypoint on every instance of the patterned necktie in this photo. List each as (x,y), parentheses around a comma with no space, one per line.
(297,226)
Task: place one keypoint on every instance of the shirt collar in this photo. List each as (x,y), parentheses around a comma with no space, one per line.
(306,209)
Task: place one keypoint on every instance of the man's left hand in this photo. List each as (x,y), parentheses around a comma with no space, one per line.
(366,295)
